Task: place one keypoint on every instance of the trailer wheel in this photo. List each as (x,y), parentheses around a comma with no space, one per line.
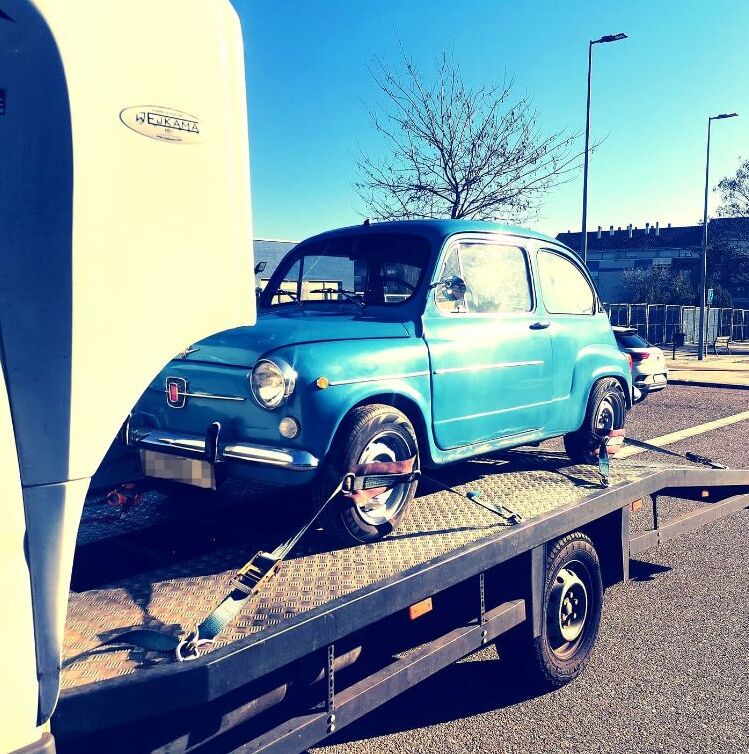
(369,433)
(573,599)
(607,410)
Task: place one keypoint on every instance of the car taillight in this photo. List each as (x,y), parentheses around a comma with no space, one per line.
(641,356)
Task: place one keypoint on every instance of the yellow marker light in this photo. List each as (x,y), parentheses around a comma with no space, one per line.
(322,382)
(420,608)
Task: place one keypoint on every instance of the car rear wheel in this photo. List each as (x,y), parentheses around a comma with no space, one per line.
(607,410)
(368,434)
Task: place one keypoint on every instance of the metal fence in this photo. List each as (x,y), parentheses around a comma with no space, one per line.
(659,322)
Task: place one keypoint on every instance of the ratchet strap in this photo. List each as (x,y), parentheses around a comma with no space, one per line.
(693,457)
(363,485)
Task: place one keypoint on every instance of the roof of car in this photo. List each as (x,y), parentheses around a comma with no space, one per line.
(440,229)
(619,328)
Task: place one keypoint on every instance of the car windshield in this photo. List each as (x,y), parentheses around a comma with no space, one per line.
(631,340)
(362,269)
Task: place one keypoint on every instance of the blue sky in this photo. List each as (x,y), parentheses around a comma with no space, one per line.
(308,81)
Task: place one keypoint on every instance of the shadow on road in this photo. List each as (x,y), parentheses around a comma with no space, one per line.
(641,570)
(459,691)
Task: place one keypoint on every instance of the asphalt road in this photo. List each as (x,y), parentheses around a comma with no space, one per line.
(671,669)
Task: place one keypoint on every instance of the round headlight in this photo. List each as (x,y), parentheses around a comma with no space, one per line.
(272,382)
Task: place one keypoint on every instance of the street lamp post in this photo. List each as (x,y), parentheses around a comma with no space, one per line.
(602,40)
(703,271)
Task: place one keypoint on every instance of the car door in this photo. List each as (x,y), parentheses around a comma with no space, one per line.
(578,325)
(490,355)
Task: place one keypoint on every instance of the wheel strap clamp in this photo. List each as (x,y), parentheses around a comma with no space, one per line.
(611,442)
(474,496)
(365,482)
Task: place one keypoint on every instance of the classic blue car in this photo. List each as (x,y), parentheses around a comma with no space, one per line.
(426,340)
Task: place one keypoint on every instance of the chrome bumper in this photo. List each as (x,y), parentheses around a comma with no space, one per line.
(196,447)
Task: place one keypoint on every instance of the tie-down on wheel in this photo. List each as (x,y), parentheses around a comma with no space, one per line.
(606,411)
(374,434)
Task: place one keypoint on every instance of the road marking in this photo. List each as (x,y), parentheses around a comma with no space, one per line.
(682,434)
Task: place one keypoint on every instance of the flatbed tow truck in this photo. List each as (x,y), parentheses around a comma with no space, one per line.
(126,236)
(339,632)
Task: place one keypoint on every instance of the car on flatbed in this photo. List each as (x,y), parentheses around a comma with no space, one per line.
(413,343)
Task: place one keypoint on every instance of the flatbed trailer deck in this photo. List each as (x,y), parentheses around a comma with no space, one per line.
(166,563)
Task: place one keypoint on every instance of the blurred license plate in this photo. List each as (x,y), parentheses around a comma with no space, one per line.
(186,470)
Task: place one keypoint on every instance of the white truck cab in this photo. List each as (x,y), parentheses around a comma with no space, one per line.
(125,235)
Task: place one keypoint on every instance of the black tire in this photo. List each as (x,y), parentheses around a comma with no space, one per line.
(606,410)
(551,660)
(365,430)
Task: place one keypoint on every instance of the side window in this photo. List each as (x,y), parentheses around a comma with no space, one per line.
(496,280)
(564,287)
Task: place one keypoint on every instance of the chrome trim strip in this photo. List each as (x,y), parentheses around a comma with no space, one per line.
(209,395)
(287,458)
(500,411)
(334,383)
(501,365)
(296,460)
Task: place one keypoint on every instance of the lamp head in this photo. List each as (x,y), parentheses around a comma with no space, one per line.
(610,38)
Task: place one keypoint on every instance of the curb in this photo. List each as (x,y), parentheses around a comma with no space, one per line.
(701,383)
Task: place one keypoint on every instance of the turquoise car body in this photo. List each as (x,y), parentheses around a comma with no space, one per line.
(470,384)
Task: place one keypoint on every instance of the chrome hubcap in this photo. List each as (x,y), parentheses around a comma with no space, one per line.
(606,416)
(387,446)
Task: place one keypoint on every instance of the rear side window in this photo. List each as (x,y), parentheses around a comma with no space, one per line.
(631,340)
(564,286)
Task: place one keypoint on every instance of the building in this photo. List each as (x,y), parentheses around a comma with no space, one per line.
(271,251)
(611,252)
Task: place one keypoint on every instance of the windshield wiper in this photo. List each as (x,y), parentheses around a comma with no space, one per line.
(350,295)
(291,294)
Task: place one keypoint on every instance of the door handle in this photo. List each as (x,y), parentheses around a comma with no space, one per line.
(542,324)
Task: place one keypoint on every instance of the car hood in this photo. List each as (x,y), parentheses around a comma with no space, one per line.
(243,346)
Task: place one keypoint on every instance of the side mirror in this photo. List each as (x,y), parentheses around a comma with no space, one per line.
(259,267)
(454,287)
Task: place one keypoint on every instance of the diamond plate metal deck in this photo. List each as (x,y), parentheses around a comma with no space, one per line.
(182,592)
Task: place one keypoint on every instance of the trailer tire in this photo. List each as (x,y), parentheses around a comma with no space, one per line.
(570,619)
(375,432)
(606,410)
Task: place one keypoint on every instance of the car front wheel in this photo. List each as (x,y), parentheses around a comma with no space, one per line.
(368,434)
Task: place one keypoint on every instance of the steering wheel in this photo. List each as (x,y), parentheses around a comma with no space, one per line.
(408,285)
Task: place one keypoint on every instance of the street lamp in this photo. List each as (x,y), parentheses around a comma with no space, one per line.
(703,271)
(602,40)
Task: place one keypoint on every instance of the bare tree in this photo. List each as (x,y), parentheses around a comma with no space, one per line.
(734,193)
(460,152)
